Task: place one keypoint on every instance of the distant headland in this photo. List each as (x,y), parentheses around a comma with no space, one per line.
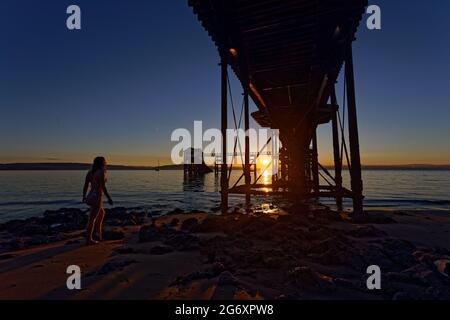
(86,166)
(78,166)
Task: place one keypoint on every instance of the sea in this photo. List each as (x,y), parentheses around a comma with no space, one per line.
(25,194)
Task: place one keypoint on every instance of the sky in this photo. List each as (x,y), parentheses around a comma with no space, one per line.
(137,70)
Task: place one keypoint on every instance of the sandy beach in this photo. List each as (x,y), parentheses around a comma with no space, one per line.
(294,253)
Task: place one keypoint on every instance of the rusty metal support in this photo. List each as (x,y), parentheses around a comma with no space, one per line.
(336,153)
(246,85)
(356,179)
(315,163)
(224,125)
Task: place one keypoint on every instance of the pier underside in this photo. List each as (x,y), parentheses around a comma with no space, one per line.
(288,55)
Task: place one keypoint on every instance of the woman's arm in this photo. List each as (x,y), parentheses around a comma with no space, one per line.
(86,186)
(105,191)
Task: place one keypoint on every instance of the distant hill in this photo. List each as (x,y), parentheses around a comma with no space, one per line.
(86,166)
(76,166)
(418,167)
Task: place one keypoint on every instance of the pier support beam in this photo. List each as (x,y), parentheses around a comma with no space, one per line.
(224,125)
(246,85)
(315,163)
(356,179)
(336,151)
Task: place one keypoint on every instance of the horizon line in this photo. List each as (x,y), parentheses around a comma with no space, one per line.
(406,165)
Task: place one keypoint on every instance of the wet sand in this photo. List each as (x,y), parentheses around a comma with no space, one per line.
(302,253)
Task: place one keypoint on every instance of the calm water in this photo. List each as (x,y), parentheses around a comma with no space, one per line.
(28,193)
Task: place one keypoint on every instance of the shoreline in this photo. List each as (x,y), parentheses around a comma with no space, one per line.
(299,253)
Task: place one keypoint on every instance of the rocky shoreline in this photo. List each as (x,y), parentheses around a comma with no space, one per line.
(305,254)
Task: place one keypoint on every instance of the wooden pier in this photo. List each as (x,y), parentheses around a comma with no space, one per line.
(288,56)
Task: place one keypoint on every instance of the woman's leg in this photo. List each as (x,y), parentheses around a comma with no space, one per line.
(98,227)
(91,224)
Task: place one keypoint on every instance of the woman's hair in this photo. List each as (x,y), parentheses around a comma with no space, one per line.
(97,164)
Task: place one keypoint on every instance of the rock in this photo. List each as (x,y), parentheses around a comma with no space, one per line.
(210,224)
(12,225)
(31,229)
(72,218)
(288,297)
(215,208)
(114,234)
(70,242)
(346,283)
(57,237)
(373,217)
(336,251)
(432,293)
(125,250)
(6,256)
(196,211)
(116,213)
(183,242)
(217,268)
(133,219)
(174,222)
(366,232)
(399,251)
(227,279)
(153,214)
(37,240)
(149,233)
(16,244)
(120,216)
(189,224)
(311,281)
(198,275)
(112,266)
(374,254)
(402,296)
(160,250)
(272,262)
(443,266)
(426,276)
(236,210)
(404,278)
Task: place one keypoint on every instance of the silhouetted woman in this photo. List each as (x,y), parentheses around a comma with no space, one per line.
(96,178)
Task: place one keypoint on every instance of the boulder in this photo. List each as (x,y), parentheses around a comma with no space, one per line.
(112,266)
(12,225)
(183,241)
(160,250)
(125,250)
(189,224)
(37,240)
(149,233)
(443,266)
(311,281)
(174,222)
(227,279)
(31,229)
(366,232)
(113,234)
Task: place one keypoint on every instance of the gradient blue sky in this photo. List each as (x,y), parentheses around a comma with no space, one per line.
(140,69)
